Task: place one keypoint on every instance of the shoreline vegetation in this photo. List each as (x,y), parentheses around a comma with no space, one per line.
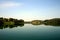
(11,22)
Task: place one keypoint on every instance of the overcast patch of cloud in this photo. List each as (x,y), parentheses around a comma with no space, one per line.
(10,4)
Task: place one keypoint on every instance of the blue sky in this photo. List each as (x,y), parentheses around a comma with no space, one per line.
(30,9)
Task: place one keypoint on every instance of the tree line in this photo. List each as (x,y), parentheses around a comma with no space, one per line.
(12,21)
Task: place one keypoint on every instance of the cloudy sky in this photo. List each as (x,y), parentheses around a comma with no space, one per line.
(30,9)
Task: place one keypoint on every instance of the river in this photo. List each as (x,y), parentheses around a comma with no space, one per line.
(30,32)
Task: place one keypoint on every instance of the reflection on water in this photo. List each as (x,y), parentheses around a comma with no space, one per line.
(10,26)
(21,25)
(51,24)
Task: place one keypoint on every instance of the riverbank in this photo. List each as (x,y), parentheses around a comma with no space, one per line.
(12,21)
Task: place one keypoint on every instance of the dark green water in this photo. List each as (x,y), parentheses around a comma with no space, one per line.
(30,32)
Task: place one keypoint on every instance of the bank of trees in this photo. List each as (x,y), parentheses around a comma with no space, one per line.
(36,22)
(54,21)
(11,21)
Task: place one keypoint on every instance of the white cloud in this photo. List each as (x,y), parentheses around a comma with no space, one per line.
(10,4)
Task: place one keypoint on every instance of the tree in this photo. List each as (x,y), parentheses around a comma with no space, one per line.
(11,19)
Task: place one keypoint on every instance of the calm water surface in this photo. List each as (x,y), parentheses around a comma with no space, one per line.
(30,32)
